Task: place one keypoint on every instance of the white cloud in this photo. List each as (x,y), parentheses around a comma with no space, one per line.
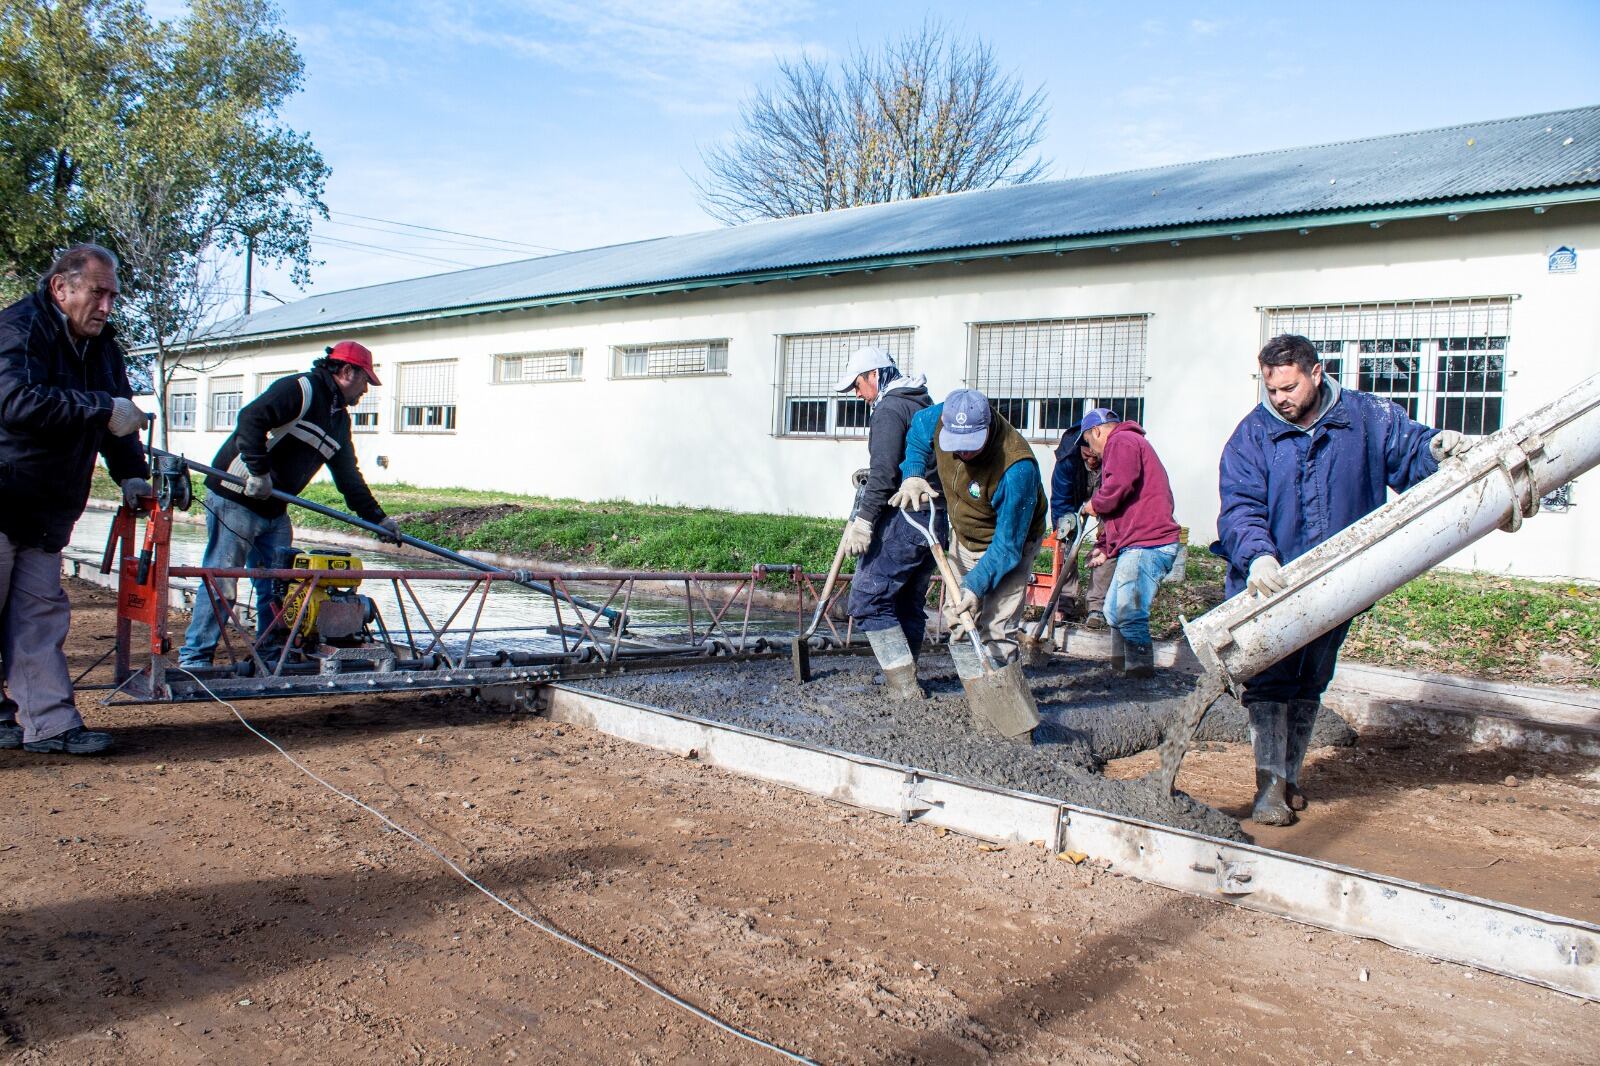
(1203,27)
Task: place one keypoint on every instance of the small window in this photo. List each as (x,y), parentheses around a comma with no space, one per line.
(364,415)
(182,397)
(264,381)
(1043,375)
(812,363)
(529,367)
(669,360)
(426,397)
(227,396)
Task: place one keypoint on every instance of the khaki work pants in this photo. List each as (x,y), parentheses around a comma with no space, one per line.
(1000,612)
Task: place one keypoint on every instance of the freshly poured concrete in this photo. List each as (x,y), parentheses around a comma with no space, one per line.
(1091,714)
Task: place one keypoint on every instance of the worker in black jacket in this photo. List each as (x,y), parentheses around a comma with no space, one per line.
(282,438)
(1076,476)
(64,400)
(890,589)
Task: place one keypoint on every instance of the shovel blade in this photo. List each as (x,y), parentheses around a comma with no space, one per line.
(1001,697)
(800,659)
(1035,650)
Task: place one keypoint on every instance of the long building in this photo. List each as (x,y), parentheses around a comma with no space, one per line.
(1448,269)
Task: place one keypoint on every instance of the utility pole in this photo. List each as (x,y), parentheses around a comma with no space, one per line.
(249,255)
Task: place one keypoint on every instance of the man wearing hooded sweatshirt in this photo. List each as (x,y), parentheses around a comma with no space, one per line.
(997,509)
(889,592)
(1306,462)
(1138,534)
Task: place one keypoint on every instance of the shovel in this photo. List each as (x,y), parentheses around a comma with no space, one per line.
(800,650)
(997,695)
(1035,643)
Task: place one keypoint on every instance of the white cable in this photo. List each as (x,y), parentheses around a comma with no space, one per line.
(543,927)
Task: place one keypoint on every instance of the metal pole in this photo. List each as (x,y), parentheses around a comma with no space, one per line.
(610,614)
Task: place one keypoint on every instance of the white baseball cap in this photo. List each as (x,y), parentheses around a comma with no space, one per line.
(867,357)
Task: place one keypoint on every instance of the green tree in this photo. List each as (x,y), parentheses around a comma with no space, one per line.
(160,139)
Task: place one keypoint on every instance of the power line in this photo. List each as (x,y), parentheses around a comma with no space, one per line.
(433,241)
(390,253)
(452,232)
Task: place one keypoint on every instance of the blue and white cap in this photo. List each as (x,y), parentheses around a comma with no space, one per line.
(1100,416)
(964,422)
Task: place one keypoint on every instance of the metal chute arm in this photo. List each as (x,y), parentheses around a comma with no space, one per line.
(1496,484)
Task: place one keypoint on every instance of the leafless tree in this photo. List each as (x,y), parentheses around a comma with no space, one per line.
(929,114)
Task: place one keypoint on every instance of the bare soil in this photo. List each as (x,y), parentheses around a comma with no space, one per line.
(462,521)
(193,898)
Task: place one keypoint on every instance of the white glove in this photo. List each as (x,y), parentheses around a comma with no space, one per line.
(258,486)
(133,489)
(914,494)
(1447,442)
(125,417)
(966,603)
(857,536)
(1265,578)
(1067,527)
(392,524)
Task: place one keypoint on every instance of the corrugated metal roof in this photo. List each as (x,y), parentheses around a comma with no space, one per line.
(1529,154)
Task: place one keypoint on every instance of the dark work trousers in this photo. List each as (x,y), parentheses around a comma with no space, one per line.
(890,587)
(1300,675)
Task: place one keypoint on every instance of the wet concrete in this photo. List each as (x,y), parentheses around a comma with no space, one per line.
(1091,714)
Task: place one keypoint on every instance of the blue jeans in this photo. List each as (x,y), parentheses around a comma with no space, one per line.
(1134,583)
(235,536)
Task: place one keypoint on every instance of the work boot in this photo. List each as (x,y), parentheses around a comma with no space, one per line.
(10,734)
(899,666)
(1139,660)
(1269,736)
(75,741)
(1119,652)
(1094,620)
(1302,718)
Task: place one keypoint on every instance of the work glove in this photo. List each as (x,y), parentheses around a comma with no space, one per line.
(126,417)
(392,524)
(857,536)
(133,489)
(258,486)
(1265,578)
(1447,442)
(966,603)
(1067,527)
(914,494)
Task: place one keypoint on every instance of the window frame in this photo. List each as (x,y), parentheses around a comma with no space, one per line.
(575,360)
(213,393)
(449,416)
(192,393)
(621,351)
(834,404)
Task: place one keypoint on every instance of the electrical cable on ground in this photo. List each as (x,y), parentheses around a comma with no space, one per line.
(544,927)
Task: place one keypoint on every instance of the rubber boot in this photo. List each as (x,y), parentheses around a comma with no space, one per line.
(1139,660)
(1119,652)
(1302,718)
(1269,735)
(897,663)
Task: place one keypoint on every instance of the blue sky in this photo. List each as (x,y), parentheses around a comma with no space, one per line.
(567,124)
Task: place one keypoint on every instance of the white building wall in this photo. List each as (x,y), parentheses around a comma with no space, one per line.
(709,440)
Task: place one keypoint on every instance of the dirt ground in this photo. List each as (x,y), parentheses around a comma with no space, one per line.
(193,898)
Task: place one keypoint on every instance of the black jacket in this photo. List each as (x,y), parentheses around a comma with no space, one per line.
(1071,484)
(54,406)
(315,430)
(886,444)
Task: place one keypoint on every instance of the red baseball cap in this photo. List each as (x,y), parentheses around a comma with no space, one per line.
(356,355)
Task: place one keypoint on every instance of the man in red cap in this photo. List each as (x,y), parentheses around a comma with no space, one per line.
(282,438)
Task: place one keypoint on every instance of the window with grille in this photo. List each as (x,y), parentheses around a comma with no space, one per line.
(1043,375)
(364,415)
(528,367)
(264,381)
(811,366)
(182,399)
(426,397)
(227,396)
(1442,361)
(669,360)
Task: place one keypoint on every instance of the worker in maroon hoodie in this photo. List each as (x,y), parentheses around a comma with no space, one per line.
(1138,534)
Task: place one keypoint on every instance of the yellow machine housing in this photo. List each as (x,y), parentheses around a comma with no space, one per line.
(332,597)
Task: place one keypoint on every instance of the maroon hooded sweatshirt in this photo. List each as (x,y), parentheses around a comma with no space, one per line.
(1134,501)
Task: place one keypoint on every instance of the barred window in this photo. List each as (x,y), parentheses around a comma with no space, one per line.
(811,366)
(1043,375)
(426,397)
(227,396)
(182,398)
(264,381)
(527,367)
(364,415)
(669,360)
(1442,361)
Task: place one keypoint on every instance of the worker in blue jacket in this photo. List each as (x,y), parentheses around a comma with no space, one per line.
(997,510)
(1308,461)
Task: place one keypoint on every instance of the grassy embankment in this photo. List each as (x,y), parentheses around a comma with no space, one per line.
(1501,628)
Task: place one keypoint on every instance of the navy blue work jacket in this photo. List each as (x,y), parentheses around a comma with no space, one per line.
(1286,489)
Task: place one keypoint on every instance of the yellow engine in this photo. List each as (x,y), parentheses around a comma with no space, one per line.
(334,611)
